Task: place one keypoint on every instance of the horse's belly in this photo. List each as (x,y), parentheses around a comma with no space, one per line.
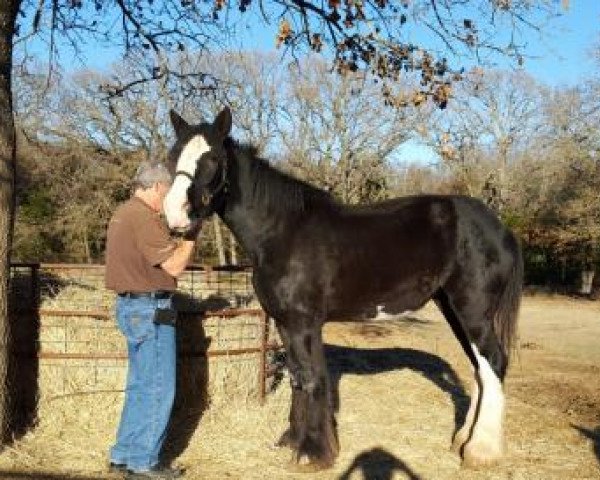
(379,307)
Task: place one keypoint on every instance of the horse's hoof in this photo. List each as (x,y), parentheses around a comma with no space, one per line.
(480,456)
(304,464)
(313,457)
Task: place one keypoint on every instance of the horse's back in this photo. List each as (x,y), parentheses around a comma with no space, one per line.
(348,260)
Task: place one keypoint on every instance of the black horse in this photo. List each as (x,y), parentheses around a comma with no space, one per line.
(316,260)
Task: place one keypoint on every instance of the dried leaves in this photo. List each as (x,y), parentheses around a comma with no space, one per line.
(361,47)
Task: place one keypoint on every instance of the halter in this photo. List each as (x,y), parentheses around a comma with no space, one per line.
(207,198)
(185,174)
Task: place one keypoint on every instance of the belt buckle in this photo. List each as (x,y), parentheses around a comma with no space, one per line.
(160,295)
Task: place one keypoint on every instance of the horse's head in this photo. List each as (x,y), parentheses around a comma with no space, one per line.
(200,163)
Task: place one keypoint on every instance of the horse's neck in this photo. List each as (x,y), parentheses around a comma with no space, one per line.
(255,226)
(254,234)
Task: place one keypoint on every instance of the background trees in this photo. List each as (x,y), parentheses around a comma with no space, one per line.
(559,198)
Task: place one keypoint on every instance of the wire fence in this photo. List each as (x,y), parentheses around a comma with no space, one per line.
(63,317)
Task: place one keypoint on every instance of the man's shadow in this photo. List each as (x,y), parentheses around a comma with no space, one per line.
(364,361)
(27,285)
(378,464)
(593,435)
(191,396)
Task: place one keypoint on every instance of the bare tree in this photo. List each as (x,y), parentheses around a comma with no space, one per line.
(490,123)
(567,210)
(338,138)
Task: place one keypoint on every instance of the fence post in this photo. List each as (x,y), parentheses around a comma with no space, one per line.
(35,284)
(262,371)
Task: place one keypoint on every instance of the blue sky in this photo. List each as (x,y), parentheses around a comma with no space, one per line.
(562,52)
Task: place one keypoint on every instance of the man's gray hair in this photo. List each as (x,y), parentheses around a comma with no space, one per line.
(149,173)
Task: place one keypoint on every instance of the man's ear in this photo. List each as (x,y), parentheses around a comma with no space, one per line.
(222,123)
(179,124)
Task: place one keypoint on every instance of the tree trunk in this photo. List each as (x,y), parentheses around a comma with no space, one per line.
(86,245)
(587,280)
(219,240)
(8,14)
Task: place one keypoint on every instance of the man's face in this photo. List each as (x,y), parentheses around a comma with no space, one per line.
(161,189)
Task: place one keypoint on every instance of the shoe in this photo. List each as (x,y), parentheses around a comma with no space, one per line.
(164,473)
(117,467)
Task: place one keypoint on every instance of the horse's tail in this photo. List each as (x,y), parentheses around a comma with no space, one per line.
(505,320)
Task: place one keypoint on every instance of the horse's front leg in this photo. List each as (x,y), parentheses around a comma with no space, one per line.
(312,433)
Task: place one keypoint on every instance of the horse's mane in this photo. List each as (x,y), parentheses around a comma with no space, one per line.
(271,188)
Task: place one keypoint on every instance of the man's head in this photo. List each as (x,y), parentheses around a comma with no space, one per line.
(151,184)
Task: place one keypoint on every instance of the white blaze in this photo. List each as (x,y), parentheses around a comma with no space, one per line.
(175,204)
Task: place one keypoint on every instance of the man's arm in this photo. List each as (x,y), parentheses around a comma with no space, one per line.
(176,263)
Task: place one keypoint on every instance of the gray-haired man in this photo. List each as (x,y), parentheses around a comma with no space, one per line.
(142,265)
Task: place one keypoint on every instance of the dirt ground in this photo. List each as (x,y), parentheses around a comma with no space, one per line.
(400,385)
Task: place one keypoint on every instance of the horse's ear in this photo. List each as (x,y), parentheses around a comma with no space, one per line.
(222,123)
(179,124)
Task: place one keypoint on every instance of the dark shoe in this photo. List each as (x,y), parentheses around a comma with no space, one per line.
(117,467)
(164,473)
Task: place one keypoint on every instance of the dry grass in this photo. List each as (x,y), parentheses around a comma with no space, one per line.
(396,415)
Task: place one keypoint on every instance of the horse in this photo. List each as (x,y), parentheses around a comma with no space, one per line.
(315,260)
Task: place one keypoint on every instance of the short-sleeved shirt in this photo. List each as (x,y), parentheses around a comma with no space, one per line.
(137,243)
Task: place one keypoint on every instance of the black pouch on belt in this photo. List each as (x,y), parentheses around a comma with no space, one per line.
(165,316)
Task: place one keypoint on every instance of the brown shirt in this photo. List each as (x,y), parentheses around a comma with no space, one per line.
(137,243)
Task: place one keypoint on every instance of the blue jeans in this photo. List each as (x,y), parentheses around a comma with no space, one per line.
(150,389)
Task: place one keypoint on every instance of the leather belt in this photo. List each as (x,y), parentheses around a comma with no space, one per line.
(158,295)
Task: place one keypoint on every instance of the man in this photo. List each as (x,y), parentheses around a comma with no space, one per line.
(142,265)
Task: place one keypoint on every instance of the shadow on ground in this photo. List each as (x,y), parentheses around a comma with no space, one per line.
(378,464)
(191,397)
(342,360)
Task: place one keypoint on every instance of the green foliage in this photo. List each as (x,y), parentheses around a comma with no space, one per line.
(36,207)
(66,195)
(513,219)
(36,245)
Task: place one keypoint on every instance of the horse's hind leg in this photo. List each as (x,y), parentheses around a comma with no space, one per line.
(464,432)
(480,438)
(312,433)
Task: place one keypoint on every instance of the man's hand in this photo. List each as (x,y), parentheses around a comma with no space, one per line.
(176,263)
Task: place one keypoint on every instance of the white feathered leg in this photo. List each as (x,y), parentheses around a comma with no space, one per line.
(486,443)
